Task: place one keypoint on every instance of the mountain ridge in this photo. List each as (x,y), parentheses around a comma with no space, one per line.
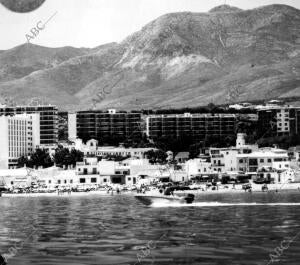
(176,60)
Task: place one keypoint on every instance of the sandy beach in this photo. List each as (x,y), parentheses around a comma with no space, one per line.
(229,189)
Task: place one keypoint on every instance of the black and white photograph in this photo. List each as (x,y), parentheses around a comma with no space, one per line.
(150,132)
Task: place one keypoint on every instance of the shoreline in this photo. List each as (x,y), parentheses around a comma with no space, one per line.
(55,194)
(256,188)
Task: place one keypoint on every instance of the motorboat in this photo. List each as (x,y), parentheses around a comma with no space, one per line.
(158,199)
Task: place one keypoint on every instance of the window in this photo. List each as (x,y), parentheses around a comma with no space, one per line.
(59,181)
(93,180)
(269,160)
(129,179)
(65,181)
(253,162)
(278,159)
(104,180)
(94,170)
(85,171)
(241,161)
(71,181)
(262,160)
(82,180)
(49,181)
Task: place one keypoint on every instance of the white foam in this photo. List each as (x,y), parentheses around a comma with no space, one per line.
(222,204)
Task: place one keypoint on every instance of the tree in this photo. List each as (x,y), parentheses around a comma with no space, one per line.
(22,161)
(194,150)
(156,156)
(211,107)
(77,156)
(63,157)
(39,158)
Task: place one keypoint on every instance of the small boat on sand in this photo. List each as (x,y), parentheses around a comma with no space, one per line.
(156,199)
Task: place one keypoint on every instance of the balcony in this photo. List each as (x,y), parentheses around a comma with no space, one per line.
(218,165)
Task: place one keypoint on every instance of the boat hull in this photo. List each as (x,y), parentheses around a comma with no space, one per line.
(150,199)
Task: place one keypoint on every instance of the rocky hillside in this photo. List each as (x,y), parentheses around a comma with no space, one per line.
(181,59)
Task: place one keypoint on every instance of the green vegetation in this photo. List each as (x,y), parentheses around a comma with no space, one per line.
(41,158)
(282,141)
(156,156)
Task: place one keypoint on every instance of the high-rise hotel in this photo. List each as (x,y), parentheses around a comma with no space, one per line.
(196,126)
(48,123)
(106,127)
(19,136)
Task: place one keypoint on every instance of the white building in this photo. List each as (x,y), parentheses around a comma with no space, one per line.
(122,151)
(196,167)
(19,136)
(225,159)
(72,126)
(18,178)
(275,176)
(88,149)
(91,148)
(264,157)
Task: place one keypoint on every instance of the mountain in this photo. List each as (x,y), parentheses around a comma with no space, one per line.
(181,59)
(27,58)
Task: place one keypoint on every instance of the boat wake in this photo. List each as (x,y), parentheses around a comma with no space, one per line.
(221,204)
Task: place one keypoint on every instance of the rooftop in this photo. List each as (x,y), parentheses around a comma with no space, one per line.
(266,153)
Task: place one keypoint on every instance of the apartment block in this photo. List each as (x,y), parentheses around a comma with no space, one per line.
(105,126)
(48,123)
(19,136)
(278,121)
(198,126)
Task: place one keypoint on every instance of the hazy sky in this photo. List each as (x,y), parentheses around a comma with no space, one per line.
(89,23)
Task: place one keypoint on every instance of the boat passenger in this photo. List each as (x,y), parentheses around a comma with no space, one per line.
(168,191)
(2,260)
